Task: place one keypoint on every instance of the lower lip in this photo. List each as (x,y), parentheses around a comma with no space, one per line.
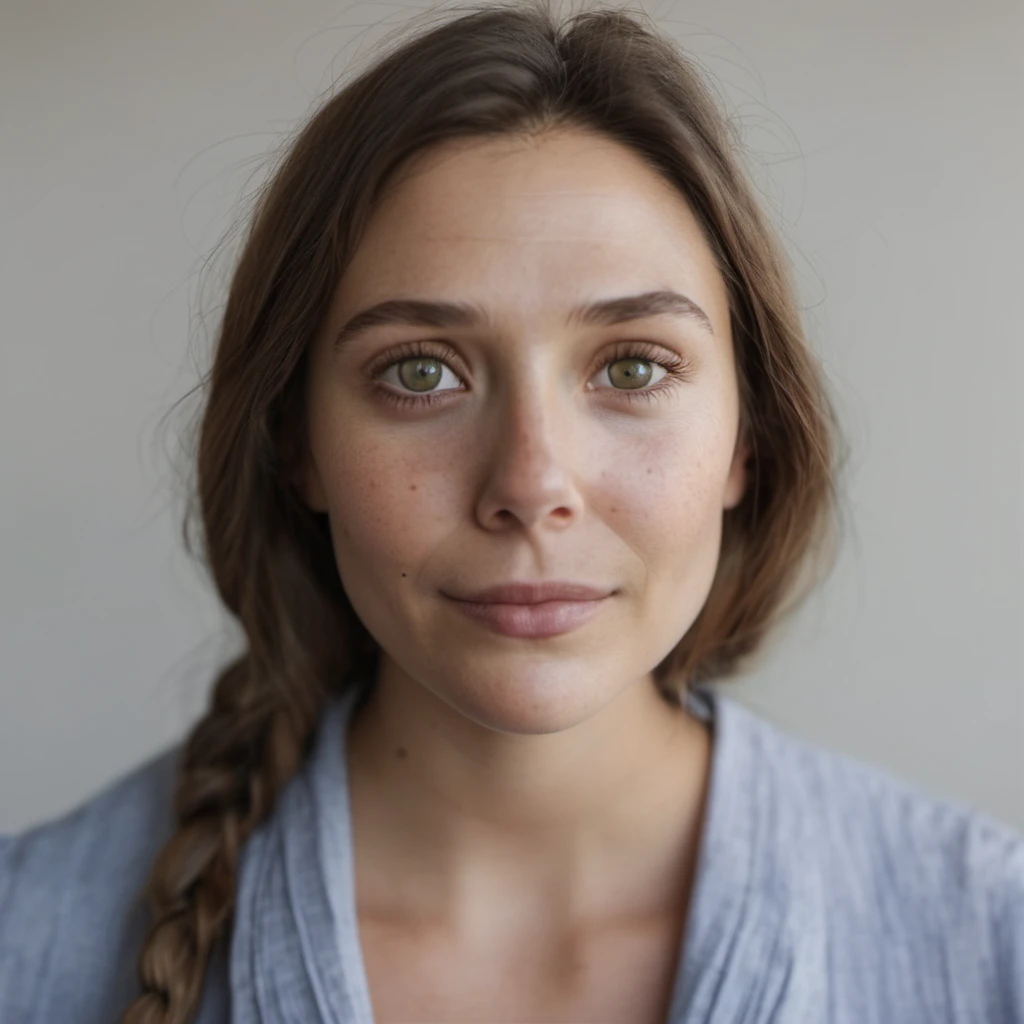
(549,618)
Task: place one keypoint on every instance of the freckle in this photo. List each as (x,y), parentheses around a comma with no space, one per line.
(402,753)
(412,487)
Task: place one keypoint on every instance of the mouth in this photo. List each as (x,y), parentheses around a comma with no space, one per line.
(536,620)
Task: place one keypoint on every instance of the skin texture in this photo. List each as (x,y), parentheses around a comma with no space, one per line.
(514,797)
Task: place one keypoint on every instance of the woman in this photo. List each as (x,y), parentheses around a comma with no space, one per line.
(512,442)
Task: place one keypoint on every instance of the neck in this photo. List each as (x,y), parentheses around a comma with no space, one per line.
(472,828)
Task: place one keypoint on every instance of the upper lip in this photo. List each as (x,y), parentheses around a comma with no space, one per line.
(535,593)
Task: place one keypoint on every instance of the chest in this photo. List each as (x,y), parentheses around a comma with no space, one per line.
(623,975)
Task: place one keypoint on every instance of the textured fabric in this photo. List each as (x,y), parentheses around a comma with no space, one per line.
(827,891)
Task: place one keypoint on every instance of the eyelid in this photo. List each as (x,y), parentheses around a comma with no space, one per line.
(410,350)
(655,352)
(432,348)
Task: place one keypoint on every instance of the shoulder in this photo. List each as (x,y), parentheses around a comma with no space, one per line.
(889,862)
(878,818)
(72,914)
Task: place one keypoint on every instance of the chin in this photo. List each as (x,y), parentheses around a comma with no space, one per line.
(545,698)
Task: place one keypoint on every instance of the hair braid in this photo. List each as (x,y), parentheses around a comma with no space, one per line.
(234,764)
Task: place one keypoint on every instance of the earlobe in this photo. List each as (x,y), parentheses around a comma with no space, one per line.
(736,483)
(307,483)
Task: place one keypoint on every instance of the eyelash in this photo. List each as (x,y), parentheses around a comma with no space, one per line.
(677,371)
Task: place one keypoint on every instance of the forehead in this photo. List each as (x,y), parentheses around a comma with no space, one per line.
(531,224)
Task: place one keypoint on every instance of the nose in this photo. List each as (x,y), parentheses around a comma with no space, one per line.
(530,461)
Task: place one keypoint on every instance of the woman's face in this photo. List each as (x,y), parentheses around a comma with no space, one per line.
(520,443)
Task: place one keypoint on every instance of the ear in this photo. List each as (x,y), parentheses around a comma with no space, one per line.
(736,482)
(309,485)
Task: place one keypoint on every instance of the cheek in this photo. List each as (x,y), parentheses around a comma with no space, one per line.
(664,502)
(660,487)
(387,501)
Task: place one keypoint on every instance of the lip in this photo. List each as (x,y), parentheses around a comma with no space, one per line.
(534,593)
(536,618)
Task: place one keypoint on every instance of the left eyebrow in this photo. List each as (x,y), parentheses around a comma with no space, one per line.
(424,313)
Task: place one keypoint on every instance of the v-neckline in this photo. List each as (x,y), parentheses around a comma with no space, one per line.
(725,873)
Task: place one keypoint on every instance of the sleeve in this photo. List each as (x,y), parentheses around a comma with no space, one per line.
(72,912)
(28,919)
(1007,906)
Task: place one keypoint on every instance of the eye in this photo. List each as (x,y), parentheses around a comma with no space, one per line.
(415,373)
(411,374)
(633,372)
(421,373)
(640,371)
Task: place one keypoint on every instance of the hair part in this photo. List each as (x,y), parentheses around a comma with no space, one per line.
(492,69)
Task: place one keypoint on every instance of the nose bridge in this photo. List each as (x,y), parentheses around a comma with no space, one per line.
(530,466)
(532,410)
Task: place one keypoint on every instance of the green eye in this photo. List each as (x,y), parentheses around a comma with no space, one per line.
(420,374)
(640,369)
(630,373)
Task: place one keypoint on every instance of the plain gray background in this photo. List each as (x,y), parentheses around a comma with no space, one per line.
(886,140)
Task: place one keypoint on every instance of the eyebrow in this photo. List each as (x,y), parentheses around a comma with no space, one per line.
(424,313)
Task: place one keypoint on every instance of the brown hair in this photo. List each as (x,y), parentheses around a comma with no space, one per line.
(494,69)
